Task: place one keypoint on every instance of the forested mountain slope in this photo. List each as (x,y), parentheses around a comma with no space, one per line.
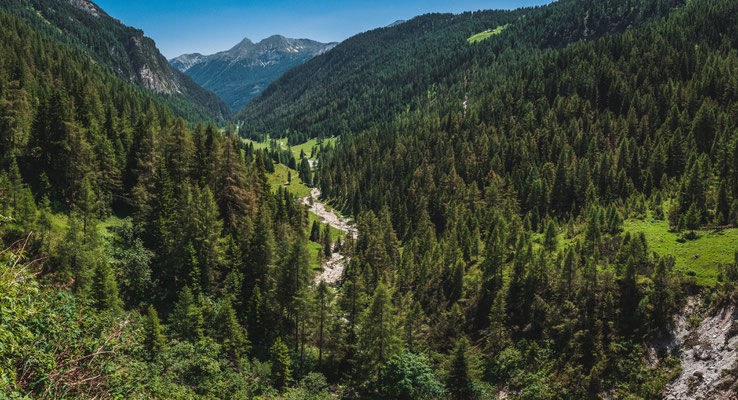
(368,79)
(111,209)
(122,49)
(239,74)
(562,163)
(528,232)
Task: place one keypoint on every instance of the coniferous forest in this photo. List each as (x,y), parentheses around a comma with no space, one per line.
(547,213)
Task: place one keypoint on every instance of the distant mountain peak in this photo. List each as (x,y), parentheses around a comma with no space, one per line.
(243,71)
(245,43)
(398,22)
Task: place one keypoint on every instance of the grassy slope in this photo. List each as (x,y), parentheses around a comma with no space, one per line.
(486,34)
(701,256)
(279,178)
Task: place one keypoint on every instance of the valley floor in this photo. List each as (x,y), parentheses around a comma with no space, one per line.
(332,268)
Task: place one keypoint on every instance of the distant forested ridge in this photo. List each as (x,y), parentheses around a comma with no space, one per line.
(368,79)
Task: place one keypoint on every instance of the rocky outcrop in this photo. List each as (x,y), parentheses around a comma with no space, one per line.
(708,354)
(88,7)
(122,49)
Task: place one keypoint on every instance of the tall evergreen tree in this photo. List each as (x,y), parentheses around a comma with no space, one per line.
(186,319)
(281,364)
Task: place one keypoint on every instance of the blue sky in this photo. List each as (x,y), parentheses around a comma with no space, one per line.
(197,26)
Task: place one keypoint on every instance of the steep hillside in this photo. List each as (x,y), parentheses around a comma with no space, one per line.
(241,73)
(122,49)
(370,78)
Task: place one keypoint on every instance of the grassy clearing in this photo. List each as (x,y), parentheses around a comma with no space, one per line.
(279,178)
(307,147)
(700,256)
(486,34)
(60,224)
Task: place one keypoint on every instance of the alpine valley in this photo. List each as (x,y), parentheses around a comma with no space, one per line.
(536,203)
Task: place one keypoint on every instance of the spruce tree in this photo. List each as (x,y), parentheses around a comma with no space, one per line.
(281,365)
(497,333)
(154,340)
(106,289)
(327,242)
(187,319)
(322,303)
(379,332)
(459,381)
(315,232)
(229,332)
(255,318)
(549,240)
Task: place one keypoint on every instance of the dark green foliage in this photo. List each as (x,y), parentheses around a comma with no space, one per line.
(327,242)
(549,240)
(229,332)
(407,376)
(415,61)
(459,381)
(380,333)
(186,318)
(106,289)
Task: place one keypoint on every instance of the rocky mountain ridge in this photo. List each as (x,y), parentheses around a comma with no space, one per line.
(240,73)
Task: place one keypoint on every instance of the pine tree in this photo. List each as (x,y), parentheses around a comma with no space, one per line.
(692,218)
(322,302)
(87,204)
(187,319)
(315,232)
(327,242)
(106,289)
(703,127)
(379,333)
(457,289)
(414,320)
(179,152)
(549,240)
(235,201)
(593,232)
(629,295)
(229,332)
(496,333)
(154,339)
(259,253)
(459,381)
(208,243)
(722,211)
(281,365)
(255,318)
